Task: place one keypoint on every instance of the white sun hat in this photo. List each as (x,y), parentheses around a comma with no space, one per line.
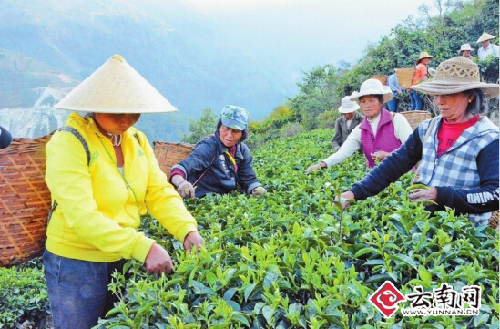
(115,87)
(465,46)
(372,87)
(348,106)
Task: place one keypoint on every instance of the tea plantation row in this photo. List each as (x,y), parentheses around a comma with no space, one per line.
(278,261)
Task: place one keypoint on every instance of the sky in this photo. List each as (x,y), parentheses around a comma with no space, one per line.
(332,30)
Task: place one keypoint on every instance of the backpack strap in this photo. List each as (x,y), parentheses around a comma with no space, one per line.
(87,152)
(80,138)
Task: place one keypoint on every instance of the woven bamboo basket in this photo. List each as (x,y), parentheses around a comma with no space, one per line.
(25,199)
(416,117)
(24,202)
(381,78)
(169,154)
(405,76)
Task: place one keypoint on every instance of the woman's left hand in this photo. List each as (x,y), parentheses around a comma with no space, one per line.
(380,155)
(193,239)
(419,195)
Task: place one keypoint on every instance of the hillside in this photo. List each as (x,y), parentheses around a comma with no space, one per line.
(47,47)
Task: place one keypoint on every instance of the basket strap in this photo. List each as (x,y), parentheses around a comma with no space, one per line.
(85,147)
(49,214)
(80,138)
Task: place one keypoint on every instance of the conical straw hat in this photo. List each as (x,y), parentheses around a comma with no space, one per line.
(485,37)
(423,55)
(115,87)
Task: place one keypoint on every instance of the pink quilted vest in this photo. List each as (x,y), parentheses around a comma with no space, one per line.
(385,140)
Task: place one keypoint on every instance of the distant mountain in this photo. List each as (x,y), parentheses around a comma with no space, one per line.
(48,46)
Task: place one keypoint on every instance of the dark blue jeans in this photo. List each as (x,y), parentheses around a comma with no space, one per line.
(416,101)
(78,290)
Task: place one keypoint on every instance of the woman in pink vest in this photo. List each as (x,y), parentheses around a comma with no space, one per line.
(379,133)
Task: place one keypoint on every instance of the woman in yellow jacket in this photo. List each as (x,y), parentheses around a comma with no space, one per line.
(103,176)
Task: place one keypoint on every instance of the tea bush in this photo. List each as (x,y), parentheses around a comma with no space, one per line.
(284,260)
(23,296)
(278,261)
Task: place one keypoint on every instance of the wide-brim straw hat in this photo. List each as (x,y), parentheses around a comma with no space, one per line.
(372,87)
(423,55)
(465,46)
(115,87)
(348,106)
(485,37)
(455,75)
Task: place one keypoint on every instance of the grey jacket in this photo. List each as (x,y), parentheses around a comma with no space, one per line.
(341,130)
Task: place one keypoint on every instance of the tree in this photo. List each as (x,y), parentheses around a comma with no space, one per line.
(201,127)
(318,93)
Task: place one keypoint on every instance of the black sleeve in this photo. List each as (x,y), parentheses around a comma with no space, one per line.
(337,137)
(5,138)
(481,199)
(390,169)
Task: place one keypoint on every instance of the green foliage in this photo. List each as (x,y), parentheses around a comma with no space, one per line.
(327,119)
(459,22)
(293,259)
(278,117)
(488,69)
(318,93)
(23,296)
(201,127)
(281,123)
(291,129)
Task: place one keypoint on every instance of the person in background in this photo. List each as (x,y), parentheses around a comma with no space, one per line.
(487,48)
(344,125)
(466,50)
(221,162)
(419,75)
(103,176)
(457,150)
(392,82)
(5,138)
(380,132)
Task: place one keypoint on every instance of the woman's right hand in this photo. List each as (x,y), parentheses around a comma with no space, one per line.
(314,167)
(158,260)
(185,189)
(344,197)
